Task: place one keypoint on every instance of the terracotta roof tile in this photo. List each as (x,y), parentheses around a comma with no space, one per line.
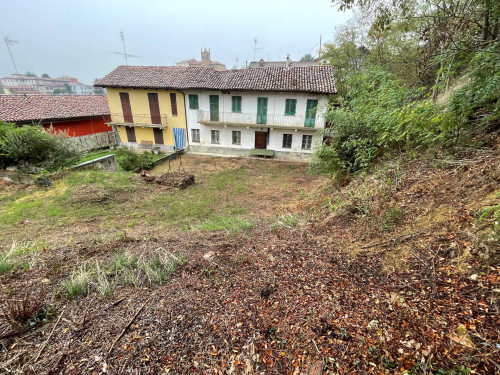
(51,107)
(317,79)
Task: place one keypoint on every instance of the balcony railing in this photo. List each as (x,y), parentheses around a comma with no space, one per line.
(250,119)
(143,120)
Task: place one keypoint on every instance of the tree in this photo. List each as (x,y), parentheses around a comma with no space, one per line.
(45,75)
(31,74)
(307,57)
(68,89)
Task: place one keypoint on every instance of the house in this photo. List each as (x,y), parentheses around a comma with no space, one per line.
(285,64)
(76,115)
(147,108)
(238,112)
(21,83)
(204,63)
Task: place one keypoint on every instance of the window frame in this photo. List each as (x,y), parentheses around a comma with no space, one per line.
(217,134)
(236,103)
(196,138)
(173,104)
(304,137)
(194,102)
(283,145)
(238,133)
(289,105)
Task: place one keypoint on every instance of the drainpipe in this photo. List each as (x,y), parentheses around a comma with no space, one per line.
(186,119)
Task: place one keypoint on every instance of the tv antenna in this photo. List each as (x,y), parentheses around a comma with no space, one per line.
(124,53)
(255,48)
(9,42)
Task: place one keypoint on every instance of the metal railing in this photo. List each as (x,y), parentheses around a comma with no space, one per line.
(235,118)
(139,120)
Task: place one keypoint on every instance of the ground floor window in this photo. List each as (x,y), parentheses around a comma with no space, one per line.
(236,137)
(195,135)
(215,136)
(306,142)
(287,140)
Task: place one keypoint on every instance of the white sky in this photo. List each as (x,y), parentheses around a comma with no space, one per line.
(77,37)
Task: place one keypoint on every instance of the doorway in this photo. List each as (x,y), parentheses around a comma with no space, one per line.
(261,140)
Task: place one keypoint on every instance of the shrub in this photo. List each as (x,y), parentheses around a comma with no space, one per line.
(130,160)
(31,147)
(20,313)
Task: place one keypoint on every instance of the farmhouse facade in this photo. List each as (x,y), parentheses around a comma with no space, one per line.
(265,111)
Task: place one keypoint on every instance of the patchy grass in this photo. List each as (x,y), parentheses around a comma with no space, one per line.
(118,156)
(124,269)
(21,255)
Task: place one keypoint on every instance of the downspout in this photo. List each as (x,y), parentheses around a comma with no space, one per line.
(185,118)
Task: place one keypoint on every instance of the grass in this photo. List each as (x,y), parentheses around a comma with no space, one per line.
(123,269)
(105,203)
(21,255)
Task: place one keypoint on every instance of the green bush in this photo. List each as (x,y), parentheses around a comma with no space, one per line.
(130,160)
(32,148)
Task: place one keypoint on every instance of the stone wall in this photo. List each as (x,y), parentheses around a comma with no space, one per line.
(95,141)
(105,163)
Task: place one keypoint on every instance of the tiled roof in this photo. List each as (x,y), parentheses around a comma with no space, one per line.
(20,108)
(317,79)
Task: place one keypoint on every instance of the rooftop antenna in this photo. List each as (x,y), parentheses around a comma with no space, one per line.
(255,48)
(9,42)
(124,53)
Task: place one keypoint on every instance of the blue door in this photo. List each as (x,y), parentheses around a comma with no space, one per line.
(179,138)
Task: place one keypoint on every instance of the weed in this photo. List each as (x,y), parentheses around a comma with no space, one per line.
(21,255)
(391,217)
(78,283)
(25,311)
(291,221)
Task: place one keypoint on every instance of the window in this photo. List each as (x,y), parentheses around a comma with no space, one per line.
(236,103)
(290,105)
(306,142)
(261,110)
(287,140)
(215,136)
(236,136)
(195,135)
(193,102)
(173,103)
(126,109)
(310,113)
(130,134)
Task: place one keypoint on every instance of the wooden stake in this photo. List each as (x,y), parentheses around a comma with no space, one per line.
(48,338)
(126,327)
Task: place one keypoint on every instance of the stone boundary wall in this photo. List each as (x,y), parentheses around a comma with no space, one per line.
(105,163)
(95,141)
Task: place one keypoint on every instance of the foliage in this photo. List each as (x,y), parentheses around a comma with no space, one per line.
(307,57)
(31,74)
(31,148)
(45,75)
(379,114)
(130,160)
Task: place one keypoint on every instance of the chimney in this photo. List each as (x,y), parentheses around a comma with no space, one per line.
(261,62)
(287,64)
(205,58)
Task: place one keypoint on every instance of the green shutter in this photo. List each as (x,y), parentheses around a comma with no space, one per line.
(310,113)
(236,103)
(261,110)
(214,107)
(290,105)
(193,101)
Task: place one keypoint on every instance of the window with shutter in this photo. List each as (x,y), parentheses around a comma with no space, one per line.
(310,113)
(193,101)
(236,103)
(261,110)
(173,103)
(214,107)
(290,105)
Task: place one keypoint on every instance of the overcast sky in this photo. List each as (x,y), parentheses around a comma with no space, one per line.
(77,37)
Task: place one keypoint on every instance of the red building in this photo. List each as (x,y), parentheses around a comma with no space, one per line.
(77,115)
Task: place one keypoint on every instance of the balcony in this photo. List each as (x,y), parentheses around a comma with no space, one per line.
(141,120)
(250,119)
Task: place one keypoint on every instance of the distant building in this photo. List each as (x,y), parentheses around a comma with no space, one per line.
(76,115)
(284,64)
(204,63)
(21,83)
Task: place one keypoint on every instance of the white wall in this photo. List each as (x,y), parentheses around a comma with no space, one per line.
(276,105)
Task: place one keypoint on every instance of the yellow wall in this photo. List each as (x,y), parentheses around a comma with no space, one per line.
(140,112)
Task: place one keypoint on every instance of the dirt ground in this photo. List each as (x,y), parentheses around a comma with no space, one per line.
(369,278)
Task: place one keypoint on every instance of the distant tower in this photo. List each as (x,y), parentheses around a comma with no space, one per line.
(205,58)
